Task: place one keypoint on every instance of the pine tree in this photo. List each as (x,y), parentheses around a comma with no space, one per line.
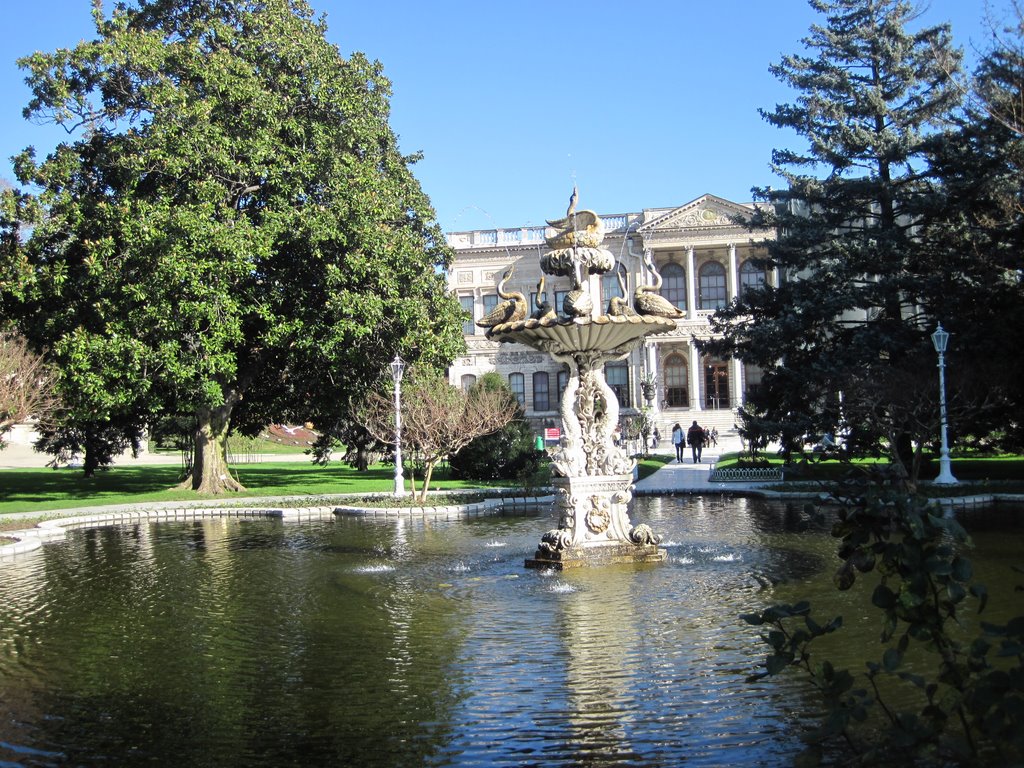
(846,313)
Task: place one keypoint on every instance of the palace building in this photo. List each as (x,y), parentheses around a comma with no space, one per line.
(705,256)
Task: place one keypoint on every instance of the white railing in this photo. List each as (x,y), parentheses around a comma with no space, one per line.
(618,223)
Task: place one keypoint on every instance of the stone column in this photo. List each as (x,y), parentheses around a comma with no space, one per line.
(695,372)
(738,383)
(650,353)
(734,273)
(691,285)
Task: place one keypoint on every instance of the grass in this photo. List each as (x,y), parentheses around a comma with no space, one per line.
(650,464)
(45,490)
(42,490)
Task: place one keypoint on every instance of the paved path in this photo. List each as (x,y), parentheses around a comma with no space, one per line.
(693,478)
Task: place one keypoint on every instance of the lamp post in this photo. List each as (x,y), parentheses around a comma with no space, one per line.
(397,369)
(939,339)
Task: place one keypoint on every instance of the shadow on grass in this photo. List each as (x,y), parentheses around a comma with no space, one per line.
(23,490)
(41,485)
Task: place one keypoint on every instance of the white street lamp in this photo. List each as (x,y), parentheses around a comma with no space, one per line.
(397,369)
(940,338)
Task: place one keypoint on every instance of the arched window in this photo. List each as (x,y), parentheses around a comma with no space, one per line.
(517,383)
(467,381)
(677,388)
(673,285)
(562,381)
(541,398)
(751,276)
(712,286)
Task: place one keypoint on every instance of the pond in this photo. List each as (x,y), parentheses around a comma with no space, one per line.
(377,642)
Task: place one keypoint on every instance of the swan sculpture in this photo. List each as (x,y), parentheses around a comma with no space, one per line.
(544,309)
(577,302)
(647,300)
(617,305)
(512,309)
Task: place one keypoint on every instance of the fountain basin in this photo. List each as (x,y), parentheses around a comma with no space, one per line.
(391,642)
(568,335)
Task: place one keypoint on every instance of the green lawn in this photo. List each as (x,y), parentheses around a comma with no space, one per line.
(28,490)
(650,464)
(43,490)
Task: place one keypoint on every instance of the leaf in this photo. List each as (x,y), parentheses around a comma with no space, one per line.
(883,597)
(979,591)
(962,569)
(778,662)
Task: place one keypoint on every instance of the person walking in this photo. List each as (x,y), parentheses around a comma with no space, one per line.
(678,441)
(695,437)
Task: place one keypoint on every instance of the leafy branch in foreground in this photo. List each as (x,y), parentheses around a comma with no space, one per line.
(961,700)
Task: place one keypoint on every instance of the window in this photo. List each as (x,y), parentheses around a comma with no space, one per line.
(673,286)
(617,377)
(541,399)
(560,301)
(752,377)
(716,385)
(751,276)
(468,380)
(610,286)
(468,326)
(561,381)
(490,302)
(517,383)
(712,286)
(677,388)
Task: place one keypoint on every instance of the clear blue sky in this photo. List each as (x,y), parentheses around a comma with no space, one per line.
(642,105)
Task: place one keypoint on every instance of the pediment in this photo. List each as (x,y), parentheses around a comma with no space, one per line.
(706,212)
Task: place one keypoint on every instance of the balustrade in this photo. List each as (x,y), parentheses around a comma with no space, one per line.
(746,474)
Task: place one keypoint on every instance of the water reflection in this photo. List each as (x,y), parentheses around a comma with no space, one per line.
(374,642)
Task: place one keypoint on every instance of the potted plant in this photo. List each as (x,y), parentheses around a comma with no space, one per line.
(649,387)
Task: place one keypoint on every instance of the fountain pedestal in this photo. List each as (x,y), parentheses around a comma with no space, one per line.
(594,475)
(594,526)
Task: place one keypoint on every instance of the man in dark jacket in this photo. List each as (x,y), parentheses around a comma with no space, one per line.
(695,437)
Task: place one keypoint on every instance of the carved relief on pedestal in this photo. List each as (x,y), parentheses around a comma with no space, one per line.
(599,515)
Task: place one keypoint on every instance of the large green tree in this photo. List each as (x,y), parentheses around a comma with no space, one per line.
(848,309)
(233,232)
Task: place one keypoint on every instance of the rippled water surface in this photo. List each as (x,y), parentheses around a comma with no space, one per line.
(383,643)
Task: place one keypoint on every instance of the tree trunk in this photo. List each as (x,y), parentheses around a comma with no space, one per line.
(210,472)
(428,473)
(91,450)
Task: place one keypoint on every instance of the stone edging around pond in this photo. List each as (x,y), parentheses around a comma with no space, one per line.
(55,529)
